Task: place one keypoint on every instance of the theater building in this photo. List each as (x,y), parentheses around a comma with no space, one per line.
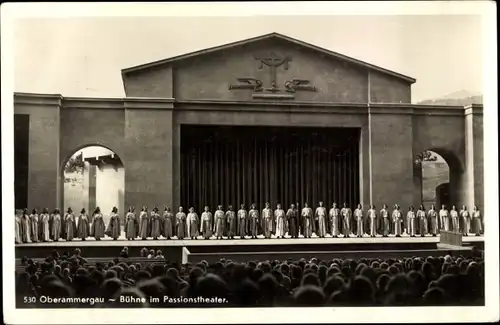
(270,118)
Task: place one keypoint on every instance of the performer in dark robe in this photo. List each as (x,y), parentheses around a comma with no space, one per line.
(358,217)
(35,226)
(168,223)
(346,220)
(97,228)
(476,221)
(206,225)
(293,221)
(444,218)
(45,225)
(320,216)
(465,217)
(253,214)
(411,222)
(83,227)
(144,224)
(192,224)
(267,221)
(372,221)
(385,221)
(231,222)
(114,226)
(130,224)
(397,220)
(18,227)
(422,220)
(455,222)
(308,217)
(69,225)
(219,222)
(180,224)
(280,221)
(156,223)
(432,221)
(334,218)
(242,222)
(56,225)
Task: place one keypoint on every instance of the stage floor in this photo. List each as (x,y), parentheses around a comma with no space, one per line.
(261,241)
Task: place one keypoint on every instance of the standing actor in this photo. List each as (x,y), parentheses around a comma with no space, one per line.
(180,224)
(192,222)
(279,215)
(242,221)
(219,221)
(346,220)
(231,222)
(335,220)
(411,222)
(307,216)
(385,221)
(397,219)
(465,216)
(372,220)
(267,221)
(293,221)
(168,223)
(358,217)
(454,219)
(56,225)
(254,221)
(70,225)
(422,220)
(432,220)
(35,226)
(144,223)
(321,218)
(114,227)
(206,223)
(476,221)
(130,224)
(45,220)
(444,218)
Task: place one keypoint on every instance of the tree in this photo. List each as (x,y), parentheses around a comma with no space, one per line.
(75,164)
(424,156)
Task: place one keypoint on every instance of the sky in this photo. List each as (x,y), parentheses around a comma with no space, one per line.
(83,57)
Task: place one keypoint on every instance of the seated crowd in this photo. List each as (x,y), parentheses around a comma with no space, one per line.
(268,223)
(430,281)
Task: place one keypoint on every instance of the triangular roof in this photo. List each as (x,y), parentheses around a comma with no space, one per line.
(270,36)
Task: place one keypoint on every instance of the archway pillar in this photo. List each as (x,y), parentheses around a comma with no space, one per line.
(474,155)
(148,152)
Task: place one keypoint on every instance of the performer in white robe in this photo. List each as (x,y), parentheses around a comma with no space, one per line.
(422,220)
(320,215)
(358,217)
(308,221)
(335,220)
(280,221)
(192,222)
(267,221)
(45,226)
(35,226)
(18,227)
(455,222)
(242,222)
(444,218)
(397,219)
(231,223)
(411,222)
(346,220)
(206,223)
(385,221)
(181,224)
(476,221)
(253,216)
(433,221)
(26,227)
(465,216)
(219,220)
(372,219)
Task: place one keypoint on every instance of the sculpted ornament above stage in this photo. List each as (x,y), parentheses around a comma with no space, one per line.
(355,132)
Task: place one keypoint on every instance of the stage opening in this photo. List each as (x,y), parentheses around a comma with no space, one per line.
(233,165)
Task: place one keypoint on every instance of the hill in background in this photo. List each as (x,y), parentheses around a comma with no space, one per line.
(458,98)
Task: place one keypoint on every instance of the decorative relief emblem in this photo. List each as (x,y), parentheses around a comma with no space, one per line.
(273,61)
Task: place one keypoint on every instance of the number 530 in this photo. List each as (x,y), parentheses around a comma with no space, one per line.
(29,300)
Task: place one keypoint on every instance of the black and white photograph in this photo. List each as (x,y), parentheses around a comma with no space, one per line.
(244,162)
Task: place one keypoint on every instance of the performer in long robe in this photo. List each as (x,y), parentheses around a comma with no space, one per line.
(18,228)
(192,224)
(358,217)
(397,219)
(334,218)
(206,225)
(168,223)
(83,227)
(156,223)
(476,221)
(411,222)
(144,230)
(70,225)
(465,216)
(432,221)
(56,225)
(35,226)
(280,221)
(219,222)
(346,214)
(320,216)
(97,228)
(422,220)
(293,221)
(114,228)
(26,227)
(242,222)
(253,215)
(267,221)
(45,225)
(130,228)
(385,221)
(231,222)
(307,216)
(372,221)
(455,222)
(180,224)
(444,218)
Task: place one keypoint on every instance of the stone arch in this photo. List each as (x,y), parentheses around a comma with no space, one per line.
(120,203)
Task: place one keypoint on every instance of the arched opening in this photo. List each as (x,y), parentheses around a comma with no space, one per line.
(94,176)
(432,177)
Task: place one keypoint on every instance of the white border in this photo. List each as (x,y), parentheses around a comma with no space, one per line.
(253,315)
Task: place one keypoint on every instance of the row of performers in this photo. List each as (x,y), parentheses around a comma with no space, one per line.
(337,221)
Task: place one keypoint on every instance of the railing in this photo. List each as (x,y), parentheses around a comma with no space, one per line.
(450,238)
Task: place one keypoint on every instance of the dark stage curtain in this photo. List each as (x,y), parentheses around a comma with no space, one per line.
(21,159)
(245,165)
